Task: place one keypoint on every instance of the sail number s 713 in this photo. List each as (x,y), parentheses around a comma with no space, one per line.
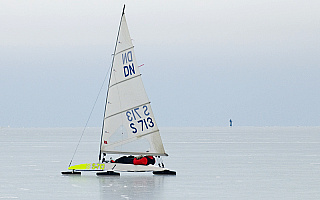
(140,119)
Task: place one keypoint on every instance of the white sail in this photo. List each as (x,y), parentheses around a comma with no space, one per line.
(129,125)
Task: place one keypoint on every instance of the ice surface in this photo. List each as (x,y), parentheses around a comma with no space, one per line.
(211,163)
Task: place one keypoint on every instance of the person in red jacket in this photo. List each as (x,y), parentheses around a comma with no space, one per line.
(146,160)
(124,160)
(141,160)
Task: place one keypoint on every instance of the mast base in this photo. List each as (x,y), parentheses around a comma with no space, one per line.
(108,173)
(164,172)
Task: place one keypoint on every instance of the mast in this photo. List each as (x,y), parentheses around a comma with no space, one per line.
(105,107)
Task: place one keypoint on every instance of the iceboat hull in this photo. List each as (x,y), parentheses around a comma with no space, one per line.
(117,167)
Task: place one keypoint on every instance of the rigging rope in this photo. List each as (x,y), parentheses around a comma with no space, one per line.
(104,80)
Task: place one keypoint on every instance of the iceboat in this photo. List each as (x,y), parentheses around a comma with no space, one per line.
(129,126)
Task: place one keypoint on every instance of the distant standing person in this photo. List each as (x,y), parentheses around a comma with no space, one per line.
(230,122)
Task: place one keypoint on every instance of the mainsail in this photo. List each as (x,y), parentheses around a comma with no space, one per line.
(129,126)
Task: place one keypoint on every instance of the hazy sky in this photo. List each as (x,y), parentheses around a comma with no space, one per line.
(256,62)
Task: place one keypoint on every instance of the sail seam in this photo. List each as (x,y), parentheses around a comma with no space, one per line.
(130,139)
(124,50)
(127,110)
(124,80)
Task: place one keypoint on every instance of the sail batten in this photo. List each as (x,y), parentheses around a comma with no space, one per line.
(127,110)
(124,50)
(130,139)
(142,135)
(124,80)
(129,124)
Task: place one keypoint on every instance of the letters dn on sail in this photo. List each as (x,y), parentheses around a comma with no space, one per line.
(127,61)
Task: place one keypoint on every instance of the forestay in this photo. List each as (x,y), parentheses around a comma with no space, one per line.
(129,125)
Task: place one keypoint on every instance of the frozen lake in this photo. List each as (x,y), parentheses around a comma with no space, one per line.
(215,163)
